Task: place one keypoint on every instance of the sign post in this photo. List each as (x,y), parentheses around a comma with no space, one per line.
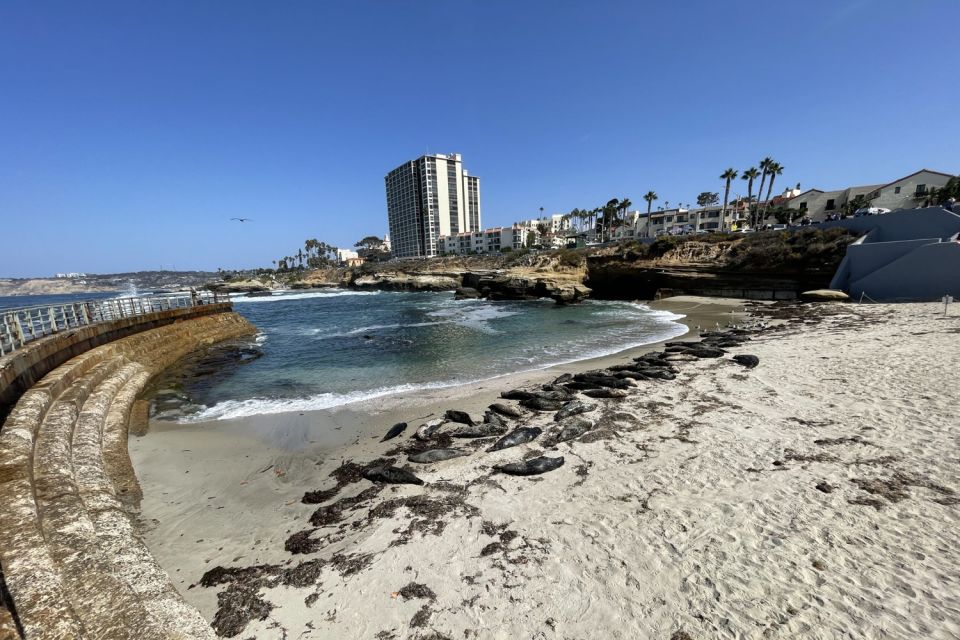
(946,302)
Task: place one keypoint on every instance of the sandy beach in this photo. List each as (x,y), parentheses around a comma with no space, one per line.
(811,496)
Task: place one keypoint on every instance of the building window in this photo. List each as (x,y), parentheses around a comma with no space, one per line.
(896,189)
(830,205)
(803,206)
(921,189)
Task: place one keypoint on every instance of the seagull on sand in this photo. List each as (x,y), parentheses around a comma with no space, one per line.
(243,219)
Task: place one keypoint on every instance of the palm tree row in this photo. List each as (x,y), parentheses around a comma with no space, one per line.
(768,167)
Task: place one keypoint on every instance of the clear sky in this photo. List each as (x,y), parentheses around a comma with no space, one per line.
(130,132)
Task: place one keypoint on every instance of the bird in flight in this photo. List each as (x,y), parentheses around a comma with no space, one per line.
(243,219)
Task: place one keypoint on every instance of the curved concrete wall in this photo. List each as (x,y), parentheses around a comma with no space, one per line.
(22,368)
(72,561)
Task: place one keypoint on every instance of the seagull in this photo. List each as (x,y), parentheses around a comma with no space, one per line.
(243,219)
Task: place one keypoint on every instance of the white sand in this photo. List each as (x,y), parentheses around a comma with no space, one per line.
(700,512)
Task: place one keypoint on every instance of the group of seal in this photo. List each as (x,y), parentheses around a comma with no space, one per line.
(560,396)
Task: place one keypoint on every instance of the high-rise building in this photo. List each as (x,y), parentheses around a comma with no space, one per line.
(430,197)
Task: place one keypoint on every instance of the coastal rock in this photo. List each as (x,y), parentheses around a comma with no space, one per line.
(530,467)
(394,431)
(824,295)
(747,360)
(505,410)
(238,286)
(435,455)
(605,393)
(390,475)
(400,281)
(573,408)
(466,293)
(454,415)
(562,288)
(518,436)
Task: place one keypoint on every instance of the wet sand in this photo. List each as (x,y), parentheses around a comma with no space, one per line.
(808,497)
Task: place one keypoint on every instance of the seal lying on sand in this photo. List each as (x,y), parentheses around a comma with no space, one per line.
(515,437)
(392,475)
(505,410)
(530,467)
(394,431)
(747,360)
(573,428)
(435,455)
(605,393)
(483,430)
(573,408)
(427,429)
(458,416)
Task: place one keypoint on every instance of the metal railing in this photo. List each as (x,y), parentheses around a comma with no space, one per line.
(23,325)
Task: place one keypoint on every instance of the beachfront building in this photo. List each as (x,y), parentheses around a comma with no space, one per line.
(908,192)
(345,255)
(427,198)
(494,240)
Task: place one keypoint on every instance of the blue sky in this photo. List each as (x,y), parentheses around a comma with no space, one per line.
(131,131)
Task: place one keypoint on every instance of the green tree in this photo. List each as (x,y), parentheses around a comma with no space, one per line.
(774,169)
(708,198)
(625,205)
(764,168)
(750,175)
(728,175)
(650,196)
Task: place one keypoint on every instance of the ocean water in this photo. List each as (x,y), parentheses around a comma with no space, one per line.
(322,349)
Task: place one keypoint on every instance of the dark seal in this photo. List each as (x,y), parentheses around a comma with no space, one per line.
(530,467)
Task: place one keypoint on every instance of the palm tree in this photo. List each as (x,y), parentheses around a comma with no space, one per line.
(625,205)
(650,196)
(728,175)
(750,175)
(774,169)
(764,170)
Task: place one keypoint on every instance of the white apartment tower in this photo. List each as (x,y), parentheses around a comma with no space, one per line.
(430,197)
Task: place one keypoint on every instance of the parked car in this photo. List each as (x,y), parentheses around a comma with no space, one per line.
(870,211)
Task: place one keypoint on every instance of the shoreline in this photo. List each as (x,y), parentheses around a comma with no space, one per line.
(805,497)
(406,405)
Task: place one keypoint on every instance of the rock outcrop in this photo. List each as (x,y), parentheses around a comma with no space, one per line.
(507,285)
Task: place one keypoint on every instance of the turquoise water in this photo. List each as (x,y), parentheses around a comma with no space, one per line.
(323,349)
(330,348)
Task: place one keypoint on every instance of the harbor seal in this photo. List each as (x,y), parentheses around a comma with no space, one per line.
(605,393)
(435,455)
(482,430)
(573,428)
(458,416)
(394,431)
(530,467)
(538,403)
(747,360)
(573,408)
(505,410)
(391,475)
(519,435)
(427,429)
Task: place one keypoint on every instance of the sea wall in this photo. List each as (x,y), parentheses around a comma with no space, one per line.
(72,560)
(22,368)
